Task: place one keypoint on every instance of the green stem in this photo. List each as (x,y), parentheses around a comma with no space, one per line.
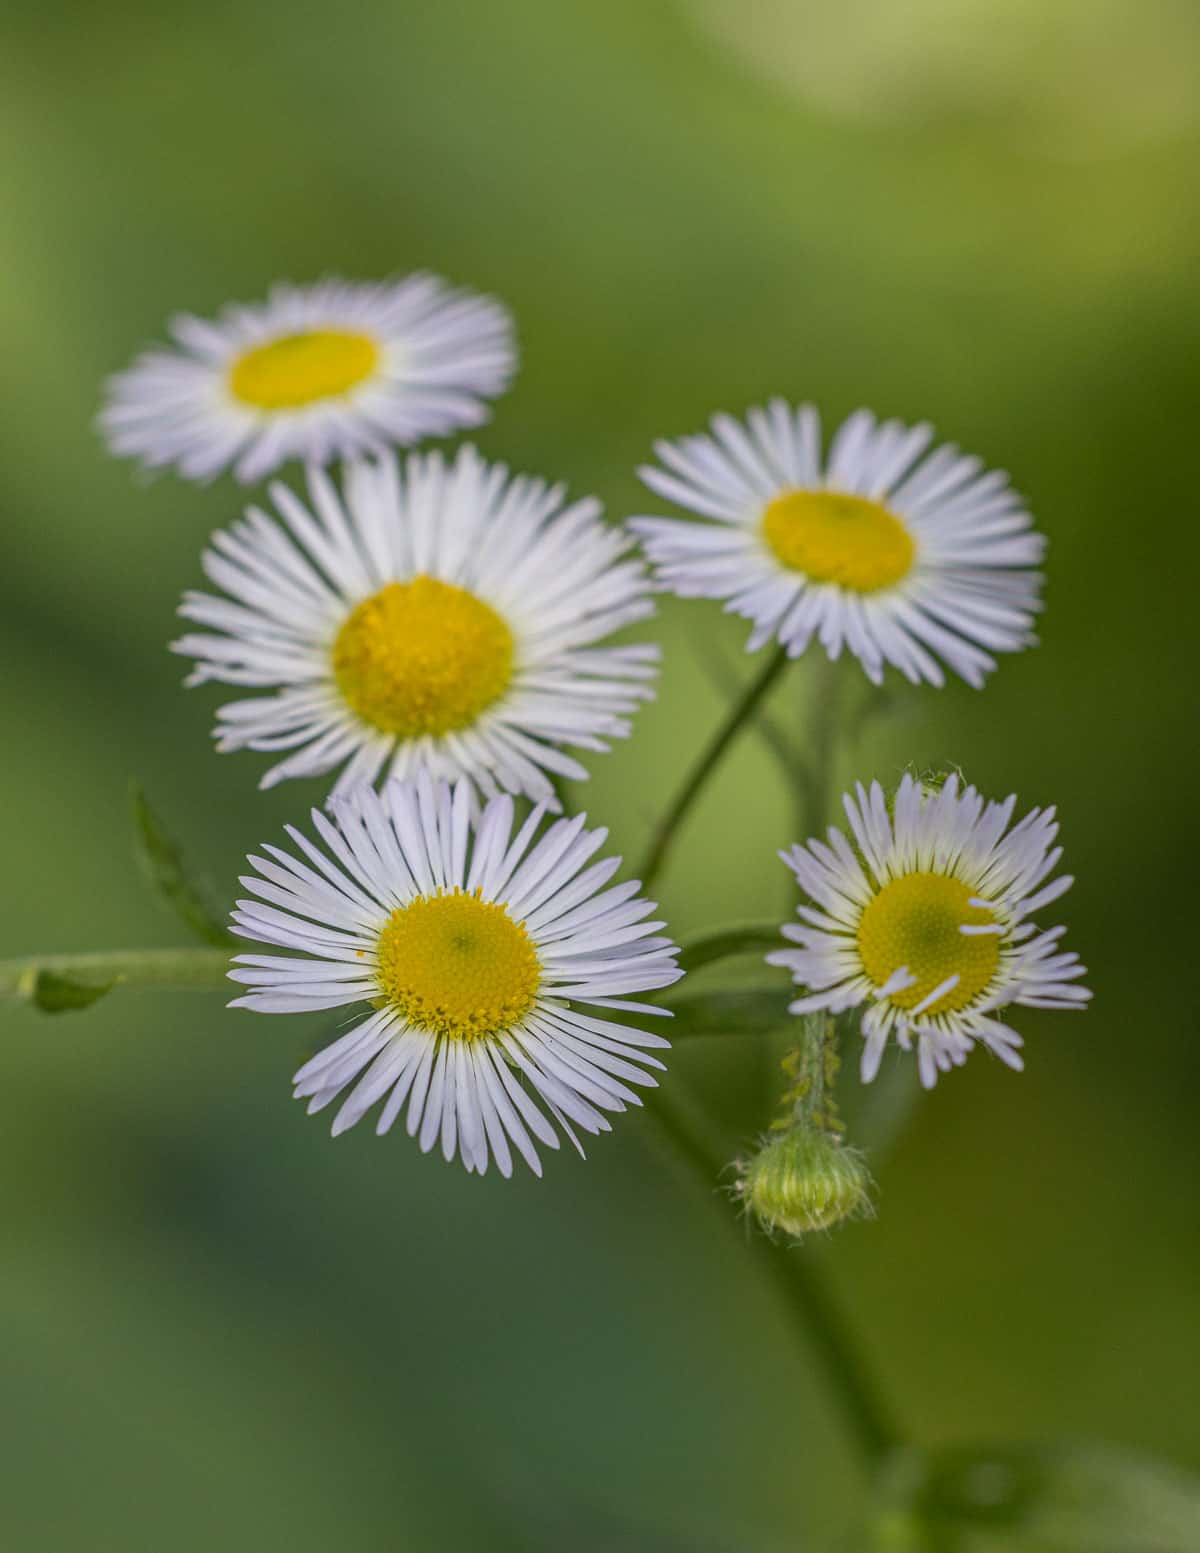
(823,712)
(756,938)
(802,1282)
(777,740)
(194,968)
(815,1062)
(809,1298)
(739,714)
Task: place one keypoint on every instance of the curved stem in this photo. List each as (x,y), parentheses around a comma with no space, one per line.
(828,680)
(809,1299)
(755,938)
(775,737)
(804,1285)
(188,968)
(738,716)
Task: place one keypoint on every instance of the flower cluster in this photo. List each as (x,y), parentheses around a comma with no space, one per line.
(435,636)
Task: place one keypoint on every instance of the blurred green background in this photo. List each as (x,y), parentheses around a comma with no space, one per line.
(217,1327)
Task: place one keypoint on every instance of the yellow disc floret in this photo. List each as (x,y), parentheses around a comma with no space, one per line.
(914,921)
(831,537)
(422,657)
(299,369)
(457,965)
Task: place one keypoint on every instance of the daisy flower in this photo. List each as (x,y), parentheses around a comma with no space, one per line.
(900,557)
(433,618)
(478,952)
(315,372)
(927,920)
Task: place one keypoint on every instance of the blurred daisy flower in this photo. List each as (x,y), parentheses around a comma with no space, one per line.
(928,922)
(435,619)
(902,557)
(476,949)
(316,373)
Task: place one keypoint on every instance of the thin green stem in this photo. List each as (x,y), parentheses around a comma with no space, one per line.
(802,1282)
(824,708)
(796,1277)
(774,736)
(739,714)
(755,938)
(185,968)
(814,1062)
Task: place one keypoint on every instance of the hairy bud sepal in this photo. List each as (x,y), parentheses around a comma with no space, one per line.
(803,1180)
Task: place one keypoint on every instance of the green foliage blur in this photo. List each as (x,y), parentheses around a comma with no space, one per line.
(220,1329)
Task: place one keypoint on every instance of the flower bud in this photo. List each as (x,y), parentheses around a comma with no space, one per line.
(803,1180)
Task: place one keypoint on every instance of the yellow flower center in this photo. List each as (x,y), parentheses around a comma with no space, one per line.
(422,657)
(302,368)
(831,537)
(914,921)
(458,965)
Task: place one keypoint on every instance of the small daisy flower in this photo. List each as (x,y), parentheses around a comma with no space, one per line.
(479,952)
(928,921)
(436,619)
(904,559)
(315,372)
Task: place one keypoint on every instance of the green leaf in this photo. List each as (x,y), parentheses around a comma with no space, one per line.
(754,1012)
(757,938)
(163,864)
(1062,1498)
(54,993)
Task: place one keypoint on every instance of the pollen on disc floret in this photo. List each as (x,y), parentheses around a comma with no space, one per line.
(303,369)
(422,657)
(830,537)
(914,924)
(458,965)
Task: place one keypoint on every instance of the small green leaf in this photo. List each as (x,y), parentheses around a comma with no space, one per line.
(163,864)
(758,938)
(754,1012)
(1063,1498)
(57,994)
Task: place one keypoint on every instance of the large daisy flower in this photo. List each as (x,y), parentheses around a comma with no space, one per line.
(927,920)
(317,372)
(902,558)
(438,619)
(478,951)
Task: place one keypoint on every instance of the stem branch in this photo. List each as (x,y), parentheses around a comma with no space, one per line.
(739,714)
(825,697)
(195,968)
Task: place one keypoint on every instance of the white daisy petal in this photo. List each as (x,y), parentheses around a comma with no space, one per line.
(317,373)
(418,904)
(902,557)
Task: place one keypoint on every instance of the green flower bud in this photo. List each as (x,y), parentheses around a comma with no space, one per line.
(931,782)
(803,1180)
